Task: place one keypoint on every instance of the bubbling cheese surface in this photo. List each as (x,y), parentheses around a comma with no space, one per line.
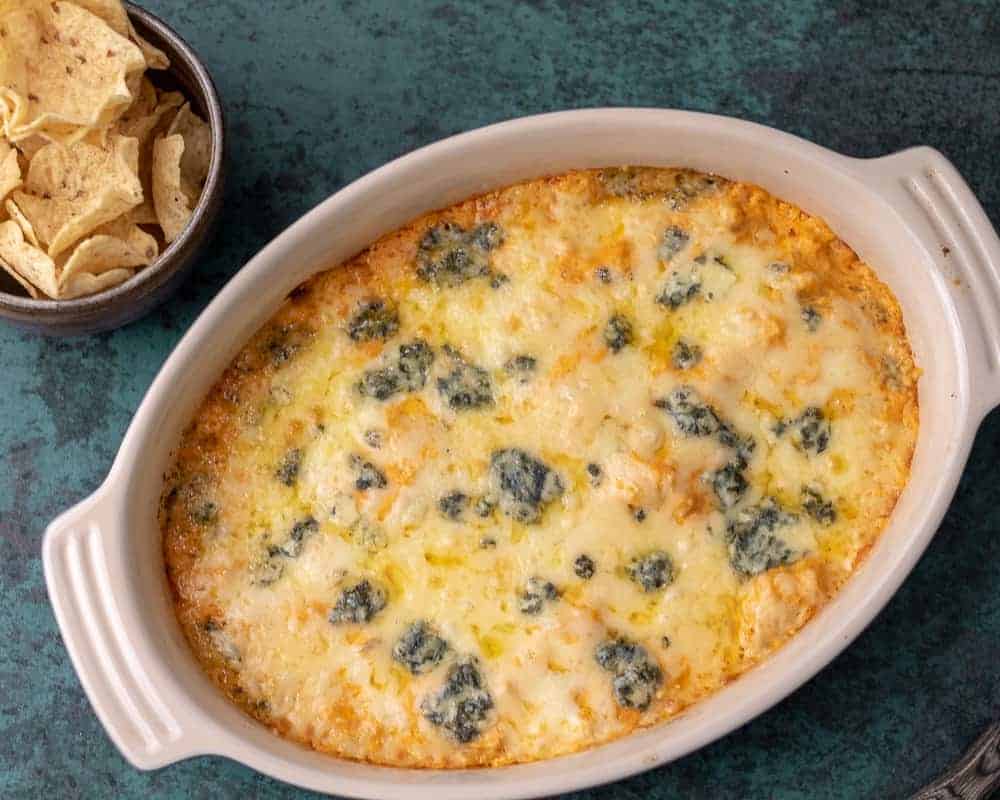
(539,469)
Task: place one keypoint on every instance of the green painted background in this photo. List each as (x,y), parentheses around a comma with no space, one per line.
(319,93)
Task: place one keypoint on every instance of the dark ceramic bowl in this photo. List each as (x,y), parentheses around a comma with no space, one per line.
(151,285)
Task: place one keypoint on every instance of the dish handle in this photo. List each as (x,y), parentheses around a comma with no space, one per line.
(88,602)
(922,183)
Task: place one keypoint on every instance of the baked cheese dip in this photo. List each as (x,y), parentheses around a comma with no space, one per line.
(539,469)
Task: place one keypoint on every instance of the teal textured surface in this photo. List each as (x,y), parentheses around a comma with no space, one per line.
(318,93)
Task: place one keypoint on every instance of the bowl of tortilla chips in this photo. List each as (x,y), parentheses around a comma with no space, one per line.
(112,144)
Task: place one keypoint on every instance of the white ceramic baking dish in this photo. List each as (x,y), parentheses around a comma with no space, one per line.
(910,215)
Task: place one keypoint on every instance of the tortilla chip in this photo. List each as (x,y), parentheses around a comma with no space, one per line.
(27,261)
(17,215)
(197,151)
(143,104)
(155,57)
(13,70)
(63,71)
(145,124)
(144,116)
(73,189)
(144,213)
(31,290)
(70,171)
(84,283)
(31,145)
(10,170)
(111,11)
(169,99)
(126,229)
(113,246)
(169,199)
(110,252)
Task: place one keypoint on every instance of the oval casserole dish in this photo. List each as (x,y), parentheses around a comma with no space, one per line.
(910,216)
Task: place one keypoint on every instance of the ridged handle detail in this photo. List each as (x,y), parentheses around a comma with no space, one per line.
(87,609)
(964,246)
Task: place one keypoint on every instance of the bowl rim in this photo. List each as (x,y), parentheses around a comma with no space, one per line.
(209,724)
(151,276)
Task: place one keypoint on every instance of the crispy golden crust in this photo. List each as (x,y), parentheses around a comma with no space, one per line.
(755,618)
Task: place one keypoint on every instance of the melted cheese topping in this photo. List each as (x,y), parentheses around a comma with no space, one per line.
(603,493)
